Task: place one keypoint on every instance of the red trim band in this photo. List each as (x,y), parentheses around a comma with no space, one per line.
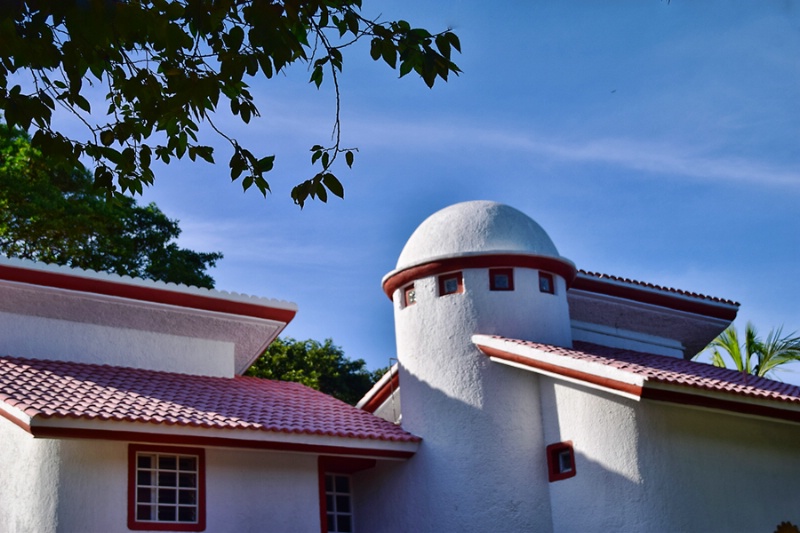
(559,266)
(147,294)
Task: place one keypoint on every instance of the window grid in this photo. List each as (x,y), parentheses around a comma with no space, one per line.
(166,488)
(338,503)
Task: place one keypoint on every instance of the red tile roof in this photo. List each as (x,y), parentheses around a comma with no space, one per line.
(674,371)
(68,390)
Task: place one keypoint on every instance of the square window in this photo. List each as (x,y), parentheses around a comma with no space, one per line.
(560,461)
(501,279)
(409,295)
(166,489)
(546,283)
(452,283)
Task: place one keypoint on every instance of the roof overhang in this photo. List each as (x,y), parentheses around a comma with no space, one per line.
(128,431)
(628,385)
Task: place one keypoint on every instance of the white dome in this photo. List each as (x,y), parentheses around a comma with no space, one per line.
(477,227)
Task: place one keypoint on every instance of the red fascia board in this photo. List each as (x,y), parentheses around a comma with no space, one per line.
(607,383)
(654,296)
(192,440)
(383,394)
(559,266)
(59,280)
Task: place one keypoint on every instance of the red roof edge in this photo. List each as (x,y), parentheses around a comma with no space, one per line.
(655,295)
(383,394)
(606,383)
(108,287)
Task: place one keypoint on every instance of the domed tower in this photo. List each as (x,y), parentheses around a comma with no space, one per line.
(476,268)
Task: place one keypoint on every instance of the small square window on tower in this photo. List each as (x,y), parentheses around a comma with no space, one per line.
(409,295)
(546,283)
(451,283)
(501,279)
(560,461)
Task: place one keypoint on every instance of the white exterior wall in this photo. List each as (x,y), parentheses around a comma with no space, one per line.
(53,486)
(647,466)
(28,473)
(48,338)
(479,466)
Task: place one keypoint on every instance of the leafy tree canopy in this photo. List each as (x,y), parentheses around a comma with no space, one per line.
(753,354)
(321,366)
(165,66)
(52,212)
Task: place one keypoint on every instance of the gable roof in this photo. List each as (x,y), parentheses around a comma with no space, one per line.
(67,399)
(640,375)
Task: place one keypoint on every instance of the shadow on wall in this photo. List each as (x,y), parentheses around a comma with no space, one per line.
(459,480)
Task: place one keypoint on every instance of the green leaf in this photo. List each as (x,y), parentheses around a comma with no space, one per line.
(333,184)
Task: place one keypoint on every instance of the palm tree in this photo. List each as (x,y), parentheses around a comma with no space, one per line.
(755,356)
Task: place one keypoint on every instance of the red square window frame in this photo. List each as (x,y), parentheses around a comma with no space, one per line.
(406,290)
(136,525)
(549,277)
(554,472)
(501,271)
(450,275)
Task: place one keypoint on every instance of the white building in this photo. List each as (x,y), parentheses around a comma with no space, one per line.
(529,396)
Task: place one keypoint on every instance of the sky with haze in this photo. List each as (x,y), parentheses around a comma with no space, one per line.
(655,141)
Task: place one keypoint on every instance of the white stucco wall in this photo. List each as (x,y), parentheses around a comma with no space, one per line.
(647,466)
(47,338)
(28,472)
(54,486)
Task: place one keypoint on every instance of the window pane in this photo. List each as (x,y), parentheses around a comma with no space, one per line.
(343,504)
(187,496)
(188,464)
(144,461)
(167,496)
(166,513)
(167,462)
(188,480)
(342,484)
(144,495)
(329,503)
(328,483)
(344,524)
(144,512)
(167,479)
(143,478)
(187,514)
(331,522)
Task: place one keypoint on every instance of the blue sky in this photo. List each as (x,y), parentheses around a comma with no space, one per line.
(656,141)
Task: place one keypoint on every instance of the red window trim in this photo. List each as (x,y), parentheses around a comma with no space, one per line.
(554,472)
(134,524)
(336,465)
(450,275)
(501,271)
